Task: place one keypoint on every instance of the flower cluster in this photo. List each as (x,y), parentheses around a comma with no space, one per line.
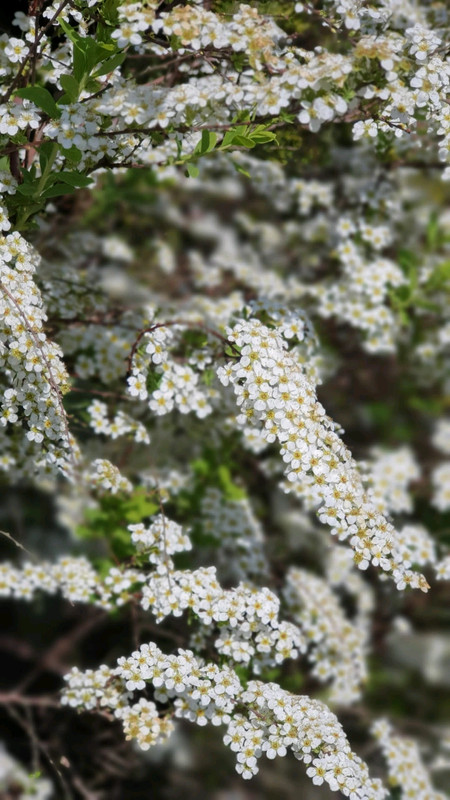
(390,474)
(121,425)
(337,647)
(161,540)
(73,576)
(104,476)
(270,386)
(34,377)
(178,386)
(406,768)
(269,720)
(244,621)
(249,630)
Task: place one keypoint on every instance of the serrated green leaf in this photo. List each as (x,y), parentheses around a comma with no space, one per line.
(41,98)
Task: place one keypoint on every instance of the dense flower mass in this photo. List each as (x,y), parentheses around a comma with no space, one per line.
(224,332)
(271,387)
(270,720)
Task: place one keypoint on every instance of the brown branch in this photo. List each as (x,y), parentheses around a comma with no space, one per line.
(52,658)
(12,698)
(40,745)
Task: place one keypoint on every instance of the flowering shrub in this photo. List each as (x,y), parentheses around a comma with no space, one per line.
(224,285)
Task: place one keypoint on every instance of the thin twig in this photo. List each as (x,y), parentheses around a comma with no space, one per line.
(42,747)
(181,323)
(18,544)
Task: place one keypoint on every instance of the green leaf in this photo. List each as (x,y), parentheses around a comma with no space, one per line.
(192,171)
(208,376)
(28,189)
(242,116)
(439,276)
(58,189)
(79,66)
(46,150)
(95,53)
(41,98)
(206,143)
(401,295)
(110,11)
(230,489)
(70,32)
(227,139)
(92,85)
(230,135)
(243,141)
(109,65)
(153,381)
(262,138)
(73,154)
(242,171)
(75,179)
(87,53)
(71,88)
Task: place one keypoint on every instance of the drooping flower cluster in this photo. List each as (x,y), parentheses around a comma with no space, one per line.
(270,387)
(34,377)
(261,719)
